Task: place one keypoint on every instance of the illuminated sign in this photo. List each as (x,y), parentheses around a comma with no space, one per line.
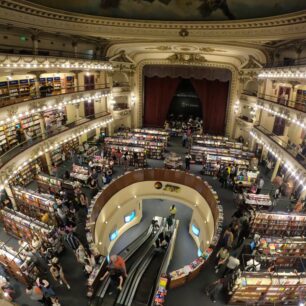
(195,230)
(128,218)
(113,235)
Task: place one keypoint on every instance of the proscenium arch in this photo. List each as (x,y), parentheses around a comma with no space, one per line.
(232,93)
(129,190)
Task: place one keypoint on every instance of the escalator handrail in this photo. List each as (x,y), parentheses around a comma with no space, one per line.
(137,278)
(163,269)
(133,270)
(134,245)
(140,273)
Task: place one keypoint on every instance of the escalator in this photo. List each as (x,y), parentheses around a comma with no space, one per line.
(145,290)
(145,281)
(132,255)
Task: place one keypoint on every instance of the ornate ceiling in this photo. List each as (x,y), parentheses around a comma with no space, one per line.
(178,10)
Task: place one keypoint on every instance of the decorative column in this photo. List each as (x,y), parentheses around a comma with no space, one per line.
(77,81)
(9,193)
(49,162)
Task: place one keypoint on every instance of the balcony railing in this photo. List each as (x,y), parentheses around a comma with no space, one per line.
(43,91)
(54,53)
(287,62)
(287,146)
(19,148)
(299,106)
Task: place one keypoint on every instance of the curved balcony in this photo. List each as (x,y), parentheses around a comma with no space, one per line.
(21,147)
(42,93)
(287,62)
(15,50)
(287,148)
(286,105)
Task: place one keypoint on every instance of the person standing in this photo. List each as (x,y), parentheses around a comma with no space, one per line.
(57,273)
(187,161)
(231,265)
(260,184)
(221,258)
(214,289)
(172,211)
(184,140)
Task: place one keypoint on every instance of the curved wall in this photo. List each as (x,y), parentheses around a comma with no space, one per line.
(129,190)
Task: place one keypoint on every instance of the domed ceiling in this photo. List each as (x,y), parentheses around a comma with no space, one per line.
(179,10)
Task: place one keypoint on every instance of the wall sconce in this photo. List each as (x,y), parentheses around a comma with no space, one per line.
(236,107)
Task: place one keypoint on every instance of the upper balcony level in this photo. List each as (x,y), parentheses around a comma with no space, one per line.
(17,92)
(41,52)
(291,110)
(288,151)
(11,62)
(287,62)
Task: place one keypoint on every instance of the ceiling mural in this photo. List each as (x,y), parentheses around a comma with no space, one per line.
(180,10)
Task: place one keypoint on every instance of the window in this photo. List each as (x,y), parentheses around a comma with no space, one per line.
(195,230)
(113,235)
(128,218)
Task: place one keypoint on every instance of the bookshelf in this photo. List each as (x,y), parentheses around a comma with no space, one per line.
(34,204)
(27,174)
(278,224)
(110,148)
(300,100)
(154,149)
(4,91)
(13,88)
(273,246)
(10,133)
(267,288)
(48,183)
(24,87)
(33,122)
(22,226)
(69,84)
(56,156)
(15,265)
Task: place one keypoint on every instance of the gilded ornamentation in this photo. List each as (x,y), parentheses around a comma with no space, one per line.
(160,48)
(210,50)
(187,58)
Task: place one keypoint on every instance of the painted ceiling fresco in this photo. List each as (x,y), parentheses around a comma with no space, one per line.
(180,10)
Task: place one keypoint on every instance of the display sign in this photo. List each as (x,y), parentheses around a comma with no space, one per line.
(113,235)
(195,230)
(172,188)
(130,217)
(200,252)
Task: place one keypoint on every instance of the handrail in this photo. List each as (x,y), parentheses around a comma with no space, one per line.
(176,177)
(284,145)
(300,106)
(51,53)
(36,93)
(8,155)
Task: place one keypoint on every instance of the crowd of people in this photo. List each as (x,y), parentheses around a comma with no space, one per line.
(183,125)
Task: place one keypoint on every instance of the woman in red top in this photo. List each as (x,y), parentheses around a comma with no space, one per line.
(118,263)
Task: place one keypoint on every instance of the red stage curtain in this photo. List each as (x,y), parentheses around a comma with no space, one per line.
(158,96)
(213,96)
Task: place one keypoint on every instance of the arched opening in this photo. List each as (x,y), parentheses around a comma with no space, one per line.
(251,87)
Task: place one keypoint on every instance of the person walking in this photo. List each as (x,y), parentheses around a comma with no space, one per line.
(116,278)
(214,289)
(57,273)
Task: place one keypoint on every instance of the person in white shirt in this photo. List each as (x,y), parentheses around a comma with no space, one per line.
(232,264)
(260,184)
